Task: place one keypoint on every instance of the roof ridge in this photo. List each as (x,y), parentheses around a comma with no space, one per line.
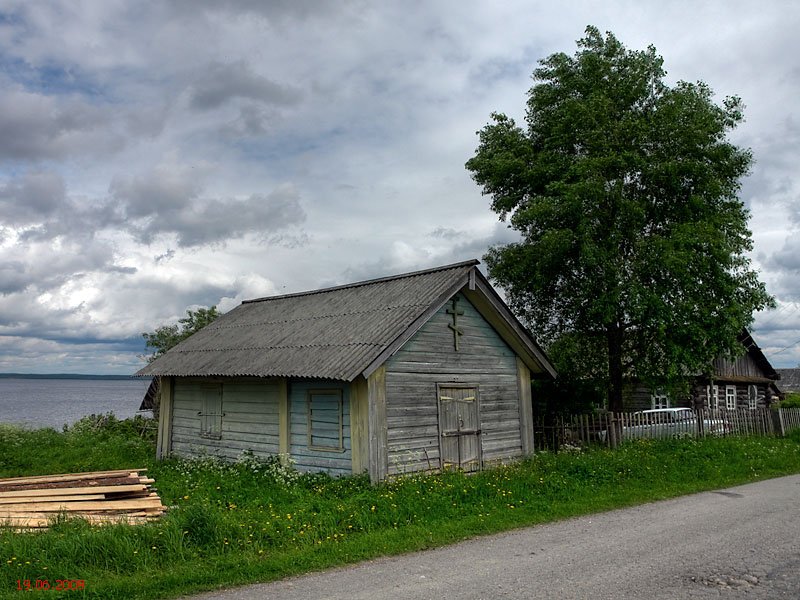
(465,263)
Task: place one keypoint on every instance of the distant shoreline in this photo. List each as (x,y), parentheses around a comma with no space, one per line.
(62,376)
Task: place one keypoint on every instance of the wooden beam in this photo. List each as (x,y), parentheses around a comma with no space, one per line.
(129,504)
(74,491)
(525,407)
(284,421)
(378,434)
(70,476)
(359,424)
(164,442)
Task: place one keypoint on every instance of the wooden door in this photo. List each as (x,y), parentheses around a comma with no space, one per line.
(459,428)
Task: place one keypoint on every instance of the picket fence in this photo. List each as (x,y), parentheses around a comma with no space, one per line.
(611,429)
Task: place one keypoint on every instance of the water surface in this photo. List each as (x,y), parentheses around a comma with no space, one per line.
(38,403)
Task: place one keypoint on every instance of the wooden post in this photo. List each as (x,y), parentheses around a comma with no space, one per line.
(164,442)
(378,433)
(284,422)
(359,424)
(525,407)
(612,430)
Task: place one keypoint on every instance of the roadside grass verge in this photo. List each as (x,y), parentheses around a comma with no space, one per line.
(256,520)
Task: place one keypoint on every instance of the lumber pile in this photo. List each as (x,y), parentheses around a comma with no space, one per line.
(99,497)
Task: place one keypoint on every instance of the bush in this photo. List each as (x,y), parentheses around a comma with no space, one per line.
(792,400)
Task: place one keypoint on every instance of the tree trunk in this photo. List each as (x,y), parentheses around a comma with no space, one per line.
(614,339)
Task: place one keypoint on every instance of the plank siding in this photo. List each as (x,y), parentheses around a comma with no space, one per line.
(744,366)
(335,462)
(249,421)
(429,358)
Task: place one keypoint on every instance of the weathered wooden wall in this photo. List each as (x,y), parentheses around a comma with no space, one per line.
(308,459)
(744,366)
(250,420)
(483,359)
(700,394)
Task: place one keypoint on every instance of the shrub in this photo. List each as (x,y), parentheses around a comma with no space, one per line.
(792,400)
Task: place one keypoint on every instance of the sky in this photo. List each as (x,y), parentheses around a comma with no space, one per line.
(159,157)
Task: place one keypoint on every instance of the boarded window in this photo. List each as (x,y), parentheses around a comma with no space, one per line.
(730,397)
(325,420)
(211,412)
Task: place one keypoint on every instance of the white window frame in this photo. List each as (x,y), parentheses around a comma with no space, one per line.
(752,397)
(659,399)
(730,397)
(712,395)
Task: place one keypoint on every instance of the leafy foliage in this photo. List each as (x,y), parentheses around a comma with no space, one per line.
(632,261)
(792,400)
(167,336)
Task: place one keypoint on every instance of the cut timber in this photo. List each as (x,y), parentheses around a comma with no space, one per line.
(101,497)
(75,491)
(132,504)
(28,499)
(74,476)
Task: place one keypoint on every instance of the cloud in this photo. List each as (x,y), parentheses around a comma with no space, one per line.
(35,126)
(32,198)
(206,151)
(169,201)
(223,82)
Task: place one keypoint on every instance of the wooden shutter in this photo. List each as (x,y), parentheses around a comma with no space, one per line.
(211,411)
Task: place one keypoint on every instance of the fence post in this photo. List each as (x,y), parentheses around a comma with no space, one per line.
(612,430)
(780,420)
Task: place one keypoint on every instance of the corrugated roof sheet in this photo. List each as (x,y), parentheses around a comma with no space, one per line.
(332,333)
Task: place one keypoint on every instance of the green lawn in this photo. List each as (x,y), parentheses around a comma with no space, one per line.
(257,521)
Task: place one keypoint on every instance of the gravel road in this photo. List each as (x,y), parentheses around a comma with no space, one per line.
(742,542)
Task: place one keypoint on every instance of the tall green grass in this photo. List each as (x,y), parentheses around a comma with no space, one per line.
(255,520)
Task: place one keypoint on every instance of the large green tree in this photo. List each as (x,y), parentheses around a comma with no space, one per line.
(632,260)
(167,336)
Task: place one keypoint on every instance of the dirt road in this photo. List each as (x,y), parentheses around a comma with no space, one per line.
(742,542)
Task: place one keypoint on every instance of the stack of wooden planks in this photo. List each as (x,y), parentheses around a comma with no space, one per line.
(98,497)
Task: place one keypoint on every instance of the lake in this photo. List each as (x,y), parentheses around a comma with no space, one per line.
(38,403)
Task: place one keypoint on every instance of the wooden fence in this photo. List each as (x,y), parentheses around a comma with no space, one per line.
(611,429)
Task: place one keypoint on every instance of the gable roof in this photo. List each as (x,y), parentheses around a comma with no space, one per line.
(339,332)
(757,355)
(790,379)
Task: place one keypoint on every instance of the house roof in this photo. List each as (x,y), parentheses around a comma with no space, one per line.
(790,379)
(758,356)
(339,332)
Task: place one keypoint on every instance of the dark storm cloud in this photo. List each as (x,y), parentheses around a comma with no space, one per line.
(34,127)
(169,202)
(31,199)
(223,82)
(274,10)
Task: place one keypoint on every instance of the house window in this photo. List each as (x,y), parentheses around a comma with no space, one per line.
(659,399)
(712,394)
(730,397)
(211,412)
(325,420)
(752,397)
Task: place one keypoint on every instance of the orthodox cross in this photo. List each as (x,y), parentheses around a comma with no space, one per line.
(456,312)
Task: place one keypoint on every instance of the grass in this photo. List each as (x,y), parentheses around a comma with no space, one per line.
(256,520)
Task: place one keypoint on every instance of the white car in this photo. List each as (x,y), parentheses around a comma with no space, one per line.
(665,423)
